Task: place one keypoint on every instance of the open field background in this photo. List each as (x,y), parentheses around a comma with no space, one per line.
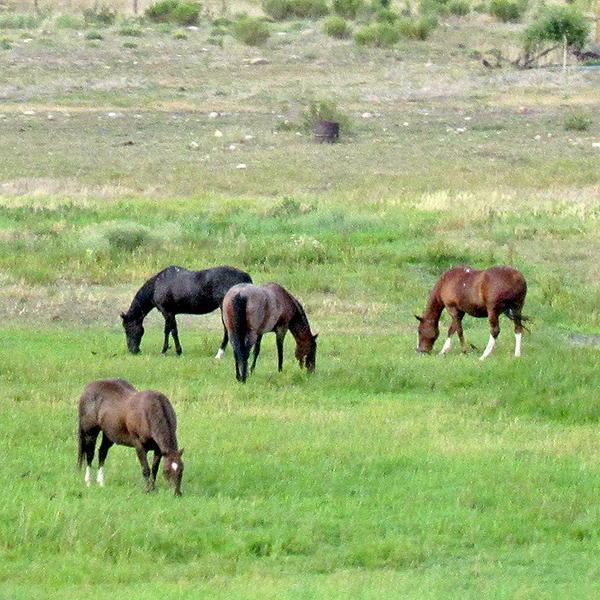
(384,475)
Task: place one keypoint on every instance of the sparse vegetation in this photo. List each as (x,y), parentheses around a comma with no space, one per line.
(387,473)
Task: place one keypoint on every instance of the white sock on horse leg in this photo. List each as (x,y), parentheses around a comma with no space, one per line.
(489,348)
(100,477)
(447,346)
(219,354)
(88,476)
(518,339)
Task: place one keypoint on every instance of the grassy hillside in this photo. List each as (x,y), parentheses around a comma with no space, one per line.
(385,474)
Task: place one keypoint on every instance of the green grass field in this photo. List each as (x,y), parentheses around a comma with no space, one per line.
(385,474)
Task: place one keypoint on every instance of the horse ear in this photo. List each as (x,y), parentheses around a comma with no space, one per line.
(420,319)
(181,451)
(123,316)
(315,336)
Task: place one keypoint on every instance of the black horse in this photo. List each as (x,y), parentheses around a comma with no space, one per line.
(176,290)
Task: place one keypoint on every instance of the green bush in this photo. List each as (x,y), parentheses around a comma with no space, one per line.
(387,15)
(103,16)
(337,27)
(578,122)
(20,21)
(433,7)
(94,35)
(280,10)
(250,31)
(378,34)
(507,11)
(131,31)
(417,28)
(554,24)
(310,9)
(323,110)
(347,9)
(172,11)
(459,8)
(69,22)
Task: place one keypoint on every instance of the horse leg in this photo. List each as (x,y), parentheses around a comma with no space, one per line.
(155,464)
(455,326)
(518,332)
(459,331)
(494,331)
(279,336)
(175,335)
(87,441)
(104,448)
(171,329)
(143,458)
(256,352)
(223,344)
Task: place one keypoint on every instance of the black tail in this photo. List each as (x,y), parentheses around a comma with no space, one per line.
(241,352)
(80,452)
(509,312)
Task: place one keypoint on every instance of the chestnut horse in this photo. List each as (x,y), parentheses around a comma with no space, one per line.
(176,290)
(144,420)
(249,311)
(479,293)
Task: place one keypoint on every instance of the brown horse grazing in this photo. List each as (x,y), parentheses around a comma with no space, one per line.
(479,293)
(144,420)
(249,311)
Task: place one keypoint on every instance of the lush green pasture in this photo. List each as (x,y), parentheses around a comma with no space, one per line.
(385,474)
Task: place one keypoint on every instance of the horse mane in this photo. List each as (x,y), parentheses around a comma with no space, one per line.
(142,301)
(300,317)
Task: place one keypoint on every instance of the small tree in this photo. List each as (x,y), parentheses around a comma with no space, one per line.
(554,26)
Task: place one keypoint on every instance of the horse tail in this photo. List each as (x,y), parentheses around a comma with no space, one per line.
(510,313)
(238,338)
(80,451)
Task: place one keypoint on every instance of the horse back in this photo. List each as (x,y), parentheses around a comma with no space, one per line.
(179,290)
(95,394)
(476,291)
(150,418)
